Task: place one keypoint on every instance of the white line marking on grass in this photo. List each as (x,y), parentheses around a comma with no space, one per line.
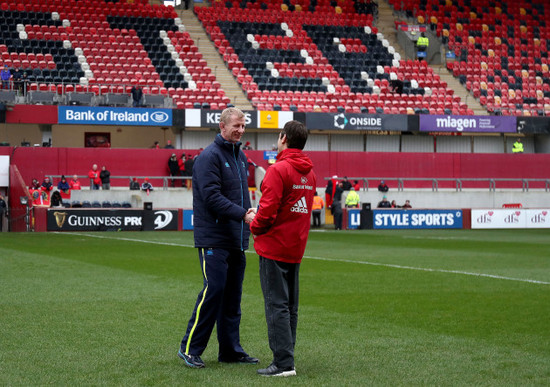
(129,239)
(338,260)
(430,270)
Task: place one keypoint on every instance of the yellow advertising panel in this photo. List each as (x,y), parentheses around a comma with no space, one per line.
(269,120)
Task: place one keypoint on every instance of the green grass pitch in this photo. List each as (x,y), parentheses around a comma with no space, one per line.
(432,307)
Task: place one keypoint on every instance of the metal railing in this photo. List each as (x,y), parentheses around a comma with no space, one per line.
(166,181)
(458,184)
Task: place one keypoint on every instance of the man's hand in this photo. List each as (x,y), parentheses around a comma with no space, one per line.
(249,216)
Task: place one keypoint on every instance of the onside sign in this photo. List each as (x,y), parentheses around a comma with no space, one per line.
(356,121)
(414,219)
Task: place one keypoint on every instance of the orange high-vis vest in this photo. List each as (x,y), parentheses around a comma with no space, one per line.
(318,203)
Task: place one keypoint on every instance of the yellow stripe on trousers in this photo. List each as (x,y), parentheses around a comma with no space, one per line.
(200,305)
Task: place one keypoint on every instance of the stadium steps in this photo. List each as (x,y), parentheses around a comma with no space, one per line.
(459,89)
(213,59)
(385,24)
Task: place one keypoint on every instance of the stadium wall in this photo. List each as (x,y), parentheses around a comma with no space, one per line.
(36,162)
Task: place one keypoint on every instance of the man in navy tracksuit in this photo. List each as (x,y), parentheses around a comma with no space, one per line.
(222,213)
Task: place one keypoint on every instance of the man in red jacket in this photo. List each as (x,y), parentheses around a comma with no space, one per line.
(281,228)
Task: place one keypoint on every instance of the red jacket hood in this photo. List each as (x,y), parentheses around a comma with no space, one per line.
(298,159)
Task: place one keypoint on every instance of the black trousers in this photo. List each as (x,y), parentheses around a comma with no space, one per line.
(219,303)
(338,214)
(280,286)
(316,218)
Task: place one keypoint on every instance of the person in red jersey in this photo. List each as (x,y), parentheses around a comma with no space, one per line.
(281,228)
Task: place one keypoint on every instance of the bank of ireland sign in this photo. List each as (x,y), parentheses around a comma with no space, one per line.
(90,115)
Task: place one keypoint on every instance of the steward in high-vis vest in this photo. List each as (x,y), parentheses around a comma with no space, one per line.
(517,147)
(422,44)
(353,199)
(318,205)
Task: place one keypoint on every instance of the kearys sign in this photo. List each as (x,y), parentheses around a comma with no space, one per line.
(114,116)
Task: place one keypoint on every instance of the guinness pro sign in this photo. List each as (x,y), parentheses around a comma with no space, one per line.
(64,219)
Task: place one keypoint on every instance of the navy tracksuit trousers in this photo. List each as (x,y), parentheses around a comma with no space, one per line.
(218,302)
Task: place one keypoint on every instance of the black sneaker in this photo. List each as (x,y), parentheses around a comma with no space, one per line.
(191,361)
(243,359)
(273,370)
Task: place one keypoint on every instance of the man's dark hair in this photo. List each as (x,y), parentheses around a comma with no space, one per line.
(296,134)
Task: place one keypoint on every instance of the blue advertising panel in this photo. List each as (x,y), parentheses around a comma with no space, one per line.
(354,218)
(188,219)
(92,115)
(270,155)
(412,219)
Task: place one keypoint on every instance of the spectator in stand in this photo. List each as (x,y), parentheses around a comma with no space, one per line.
(74,184)
(383,187)
(328,192)
(318,205)
(137,95)
(95,180)
(134,184)
(63,185)
(56,200)
(105,177)
(189,162)
(407,204)
(181,164)
(146,186)
(394,204)
(173,168)
(384,203)
(17,83)
(336,207)
(169,145)
(356,185)
(156,145)
(353,199)
(35,184)
(46,185)
(5,76)
(3,210)
(24,83)
(346,184)
(247,146)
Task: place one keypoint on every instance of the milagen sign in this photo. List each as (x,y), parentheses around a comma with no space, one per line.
(479,124)
(114,116)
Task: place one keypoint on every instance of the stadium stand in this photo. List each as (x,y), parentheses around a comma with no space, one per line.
(320,59)
(501,49)
(104,48)
(304,56)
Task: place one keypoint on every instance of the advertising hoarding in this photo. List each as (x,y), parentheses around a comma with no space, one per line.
(417,219)
(356,121)
(66,219)
(474,124)
(91,115)
(511,218)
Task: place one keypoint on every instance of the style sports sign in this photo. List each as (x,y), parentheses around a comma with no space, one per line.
(414,219)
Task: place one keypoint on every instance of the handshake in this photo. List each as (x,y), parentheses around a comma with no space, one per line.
(249,216)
